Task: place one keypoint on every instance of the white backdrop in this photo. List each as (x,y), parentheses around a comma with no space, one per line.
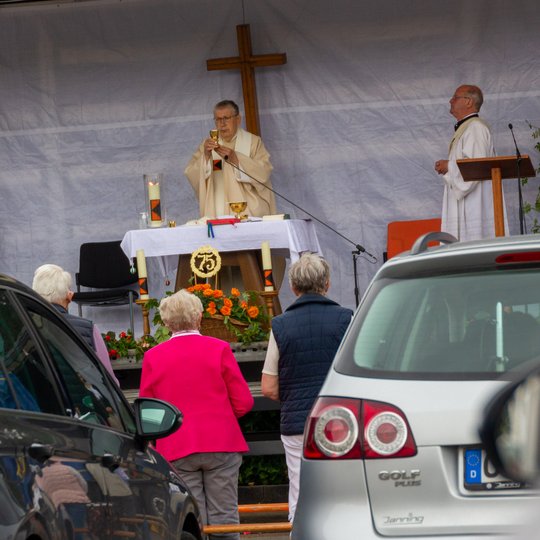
(94,94)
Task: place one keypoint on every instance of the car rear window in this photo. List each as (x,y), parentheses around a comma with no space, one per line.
(462,325)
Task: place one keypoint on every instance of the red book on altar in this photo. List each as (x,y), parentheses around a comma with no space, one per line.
(222,221)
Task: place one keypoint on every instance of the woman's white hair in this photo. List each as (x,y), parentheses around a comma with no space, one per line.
(52,282)
(181,311)
(309,274)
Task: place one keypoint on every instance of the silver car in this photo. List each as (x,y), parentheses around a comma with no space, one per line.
(391,447)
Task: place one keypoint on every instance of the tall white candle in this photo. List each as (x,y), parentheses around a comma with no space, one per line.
(267,266)
(154,197)
(266,257)
(153,191)
(143,276)
(141,263)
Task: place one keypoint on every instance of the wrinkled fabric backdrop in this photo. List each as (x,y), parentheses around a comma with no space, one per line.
(94,94)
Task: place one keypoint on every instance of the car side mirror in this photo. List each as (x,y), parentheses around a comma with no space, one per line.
(511,429)
(156,418)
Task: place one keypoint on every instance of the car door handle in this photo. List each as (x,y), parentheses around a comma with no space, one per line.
(110,461)
(40,452)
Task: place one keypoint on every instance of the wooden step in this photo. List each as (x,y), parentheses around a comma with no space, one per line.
(247,509)
(248,527)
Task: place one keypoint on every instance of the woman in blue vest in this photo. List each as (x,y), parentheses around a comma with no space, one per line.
(301,348)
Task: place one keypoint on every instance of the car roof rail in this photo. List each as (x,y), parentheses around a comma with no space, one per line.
(422,242)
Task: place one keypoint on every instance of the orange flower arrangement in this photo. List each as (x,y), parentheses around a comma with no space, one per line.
(237,306)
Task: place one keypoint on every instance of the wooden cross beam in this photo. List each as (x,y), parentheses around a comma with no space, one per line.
(246,62)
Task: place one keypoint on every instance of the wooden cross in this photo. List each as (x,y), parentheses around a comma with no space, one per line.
(246,62)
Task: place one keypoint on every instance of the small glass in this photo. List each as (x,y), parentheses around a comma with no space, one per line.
(143,220)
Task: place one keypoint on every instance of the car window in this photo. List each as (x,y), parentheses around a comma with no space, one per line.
(91,398)
(25,381)
(468,323)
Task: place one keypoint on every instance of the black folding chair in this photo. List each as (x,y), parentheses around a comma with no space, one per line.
(104,268)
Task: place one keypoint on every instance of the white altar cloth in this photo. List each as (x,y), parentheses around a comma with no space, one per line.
(289,237)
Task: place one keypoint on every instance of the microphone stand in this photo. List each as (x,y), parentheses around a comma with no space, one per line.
(359,248)
(520,194)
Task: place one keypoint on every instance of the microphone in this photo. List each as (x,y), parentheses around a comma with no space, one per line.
(511,128)
(359,248)
(520,195)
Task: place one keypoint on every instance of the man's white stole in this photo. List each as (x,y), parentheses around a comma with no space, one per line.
(242,144)
(461,129)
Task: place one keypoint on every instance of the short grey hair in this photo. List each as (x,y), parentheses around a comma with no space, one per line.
(181,311)
(52,282)
(226,103)
(475,94)
(309,274)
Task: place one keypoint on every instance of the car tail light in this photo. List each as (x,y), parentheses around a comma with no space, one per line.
(386,432)
(522,257)
(345,428)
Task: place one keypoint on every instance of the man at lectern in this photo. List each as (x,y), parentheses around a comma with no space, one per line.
(216,169)
(467,211)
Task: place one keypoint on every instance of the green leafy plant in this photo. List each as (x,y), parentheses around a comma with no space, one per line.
(535,206)
(263,471)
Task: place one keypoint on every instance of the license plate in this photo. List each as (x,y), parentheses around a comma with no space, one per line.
(481,475)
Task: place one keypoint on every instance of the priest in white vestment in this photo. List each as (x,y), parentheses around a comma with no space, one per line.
(467,211)
(213,177)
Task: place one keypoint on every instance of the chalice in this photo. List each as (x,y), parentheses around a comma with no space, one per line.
(214,134)
(238,207)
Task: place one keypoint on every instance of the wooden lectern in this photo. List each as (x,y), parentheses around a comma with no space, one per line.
(495,169)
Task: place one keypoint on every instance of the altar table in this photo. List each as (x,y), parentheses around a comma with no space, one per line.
(288,237)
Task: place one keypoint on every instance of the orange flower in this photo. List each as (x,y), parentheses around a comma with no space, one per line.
(212,305)
(190,289)
(217,293)
(253,312)
(211,310)
(225,310)
(235,292)
(205,286)
(199,287)
(227,302)
(243,304)
(208,292)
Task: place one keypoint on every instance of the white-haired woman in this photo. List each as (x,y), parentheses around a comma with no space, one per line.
(53,283)
(200,375)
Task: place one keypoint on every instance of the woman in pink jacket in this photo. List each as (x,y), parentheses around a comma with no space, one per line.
(200,375)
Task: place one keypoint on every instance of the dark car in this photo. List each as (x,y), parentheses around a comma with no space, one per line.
(75,458)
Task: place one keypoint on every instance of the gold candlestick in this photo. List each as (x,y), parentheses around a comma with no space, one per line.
(269,300)
(145,314)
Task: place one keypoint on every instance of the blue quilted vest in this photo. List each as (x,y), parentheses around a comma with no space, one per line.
(307,335)
(84,327)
